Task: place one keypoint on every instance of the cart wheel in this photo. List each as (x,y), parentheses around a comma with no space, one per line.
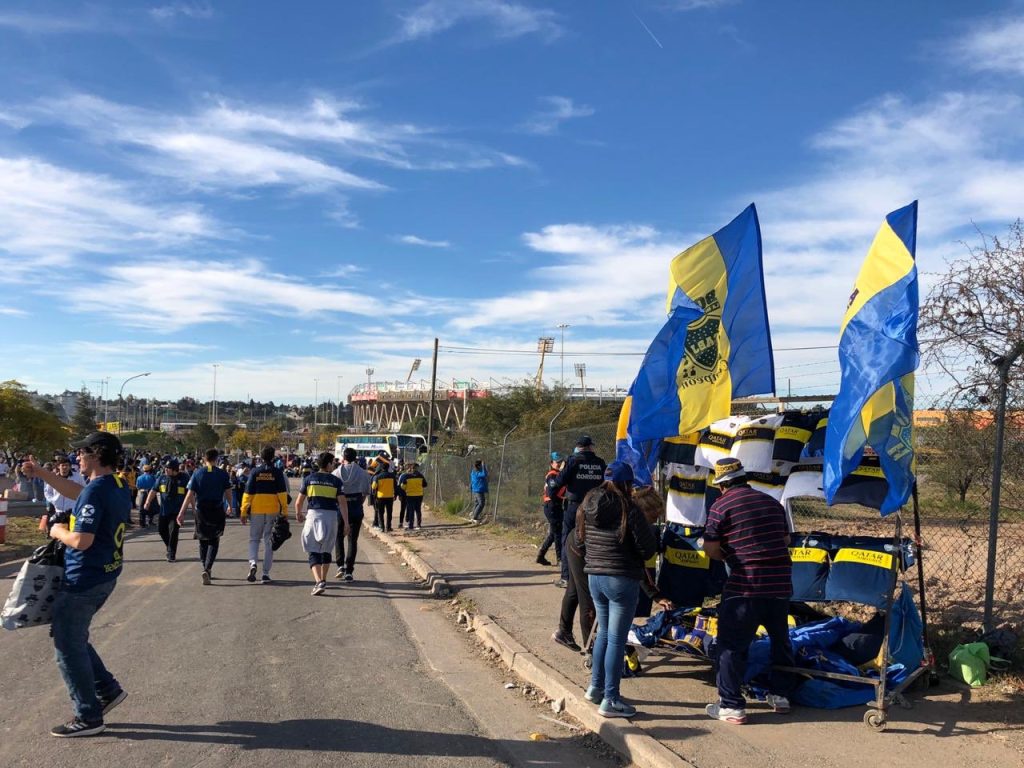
(875,720)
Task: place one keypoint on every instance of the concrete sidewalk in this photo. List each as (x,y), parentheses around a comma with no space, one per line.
(501,581)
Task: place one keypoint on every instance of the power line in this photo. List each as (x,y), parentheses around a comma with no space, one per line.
(460,350)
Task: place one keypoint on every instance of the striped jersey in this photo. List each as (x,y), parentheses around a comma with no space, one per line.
(321,490)
(751,527)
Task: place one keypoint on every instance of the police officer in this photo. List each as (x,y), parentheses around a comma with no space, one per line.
(582,471)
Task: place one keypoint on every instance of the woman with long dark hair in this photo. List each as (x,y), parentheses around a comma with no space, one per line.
(618,541)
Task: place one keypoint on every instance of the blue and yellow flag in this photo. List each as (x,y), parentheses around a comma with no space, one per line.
(714,347)
(651,409)
(878,356)
(728,350)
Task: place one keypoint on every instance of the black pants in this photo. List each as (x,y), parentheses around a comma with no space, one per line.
(553,514)
(208,553)
(383,509)
(568,526)
(346,546)
(738,620)
(577,594)
(403,507)
(169,528)
(414,510)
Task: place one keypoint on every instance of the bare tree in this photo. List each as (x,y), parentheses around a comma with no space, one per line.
(972,323)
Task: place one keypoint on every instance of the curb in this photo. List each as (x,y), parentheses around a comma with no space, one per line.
(629,740)
(435,582)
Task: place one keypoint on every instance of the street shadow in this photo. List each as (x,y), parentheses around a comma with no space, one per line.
(331,735)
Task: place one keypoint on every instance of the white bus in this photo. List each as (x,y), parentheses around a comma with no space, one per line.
(402,447)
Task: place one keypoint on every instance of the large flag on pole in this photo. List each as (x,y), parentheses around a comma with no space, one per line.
(714,347)
(878,355)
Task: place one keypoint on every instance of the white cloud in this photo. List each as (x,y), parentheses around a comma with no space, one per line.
(50,214)
(128,348)
(995,46)
(172,11)
(414,240)
(502,18)
(12,312)
(46,24)
(217,291)
(697,5)
(556,111)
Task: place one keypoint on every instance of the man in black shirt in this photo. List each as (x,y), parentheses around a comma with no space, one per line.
(582,471)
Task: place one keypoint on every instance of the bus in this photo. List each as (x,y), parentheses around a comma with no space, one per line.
(402,447)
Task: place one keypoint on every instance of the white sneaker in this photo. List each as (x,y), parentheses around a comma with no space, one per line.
(726,714)
(779,704)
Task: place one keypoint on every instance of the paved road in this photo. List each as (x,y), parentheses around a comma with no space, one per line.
(239,674)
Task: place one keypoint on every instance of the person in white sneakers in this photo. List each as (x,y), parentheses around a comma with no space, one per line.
(322,491)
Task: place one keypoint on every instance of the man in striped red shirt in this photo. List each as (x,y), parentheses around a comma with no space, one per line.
(749,530)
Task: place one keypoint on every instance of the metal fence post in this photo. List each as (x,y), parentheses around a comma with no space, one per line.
(551,426)
(501,469)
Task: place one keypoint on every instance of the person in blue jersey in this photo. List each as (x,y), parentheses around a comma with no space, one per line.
(145,483)
(356,481)
(170,491)
(209,494)
(265,499)
(323,493)
(94,554)
(478,486)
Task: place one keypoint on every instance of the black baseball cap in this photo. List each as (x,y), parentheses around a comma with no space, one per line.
(584,441)
(100,440)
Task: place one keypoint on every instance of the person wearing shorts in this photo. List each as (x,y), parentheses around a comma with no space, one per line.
(317,508)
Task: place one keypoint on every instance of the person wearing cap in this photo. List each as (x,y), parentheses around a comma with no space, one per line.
(582,471)
(413,484)
(478,486)
(93,558)
(356,483)
(750,531)
(382,487)
(209,494)
(552,499)
(265,499)
(59,506)
(169,490)
(618,541)
(145,482)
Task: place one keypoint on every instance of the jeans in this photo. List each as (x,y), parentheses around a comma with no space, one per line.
(208,553)
(346,560)
(568,526)
(383,509)
(576,595)
(168,527)
(260,529)
(553,514)
(414,511)
(81,667)
(615,601)
(479,502)
(738,620)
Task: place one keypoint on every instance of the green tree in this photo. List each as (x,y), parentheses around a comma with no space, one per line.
(202,437)
(84,420)
(957,454)
(25,428)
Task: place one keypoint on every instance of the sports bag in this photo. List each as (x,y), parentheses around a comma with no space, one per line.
(35,588)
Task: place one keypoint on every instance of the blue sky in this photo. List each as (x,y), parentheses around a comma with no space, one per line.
(301,194)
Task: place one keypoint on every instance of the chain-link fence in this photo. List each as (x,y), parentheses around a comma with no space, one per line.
(954,478)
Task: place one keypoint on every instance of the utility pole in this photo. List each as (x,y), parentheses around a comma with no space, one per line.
(120,406)
(213,410)
(433,394)
(581,371)
(337,409)
(316,407)
(562,327)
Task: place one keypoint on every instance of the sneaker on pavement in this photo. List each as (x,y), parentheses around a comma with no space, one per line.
(252,573)
(779,704)
(561,583)
(348,577)
(78,727)
(616,708)
(541,560)
(206,578)
(111,701)
(265,579)
(567,640)
(319,588)
(594,695)
(340,574)
(726,714)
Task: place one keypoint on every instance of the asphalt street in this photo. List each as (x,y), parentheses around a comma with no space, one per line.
(240,674)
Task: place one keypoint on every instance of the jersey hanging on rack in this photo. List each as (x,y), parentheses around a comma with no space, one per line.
(810,554)
(716,441)
(791,436)
(770,483)
(815,447)
(684,503)
(804,480)
(866,485)
(680,449)
(687,575)
(754,443)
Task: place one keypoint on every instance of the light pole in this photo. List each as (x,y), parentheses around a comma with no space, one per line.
(337,407)
(415,367)
(369,378)
(581,371)
(213,411)
(562,327)
(120,407)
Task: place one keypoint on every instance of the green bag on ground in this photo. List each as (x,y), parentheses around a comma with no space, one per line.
(970,662)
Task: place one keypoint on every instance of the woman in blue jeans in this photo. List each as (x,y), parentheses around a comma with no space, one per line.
(618,542)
